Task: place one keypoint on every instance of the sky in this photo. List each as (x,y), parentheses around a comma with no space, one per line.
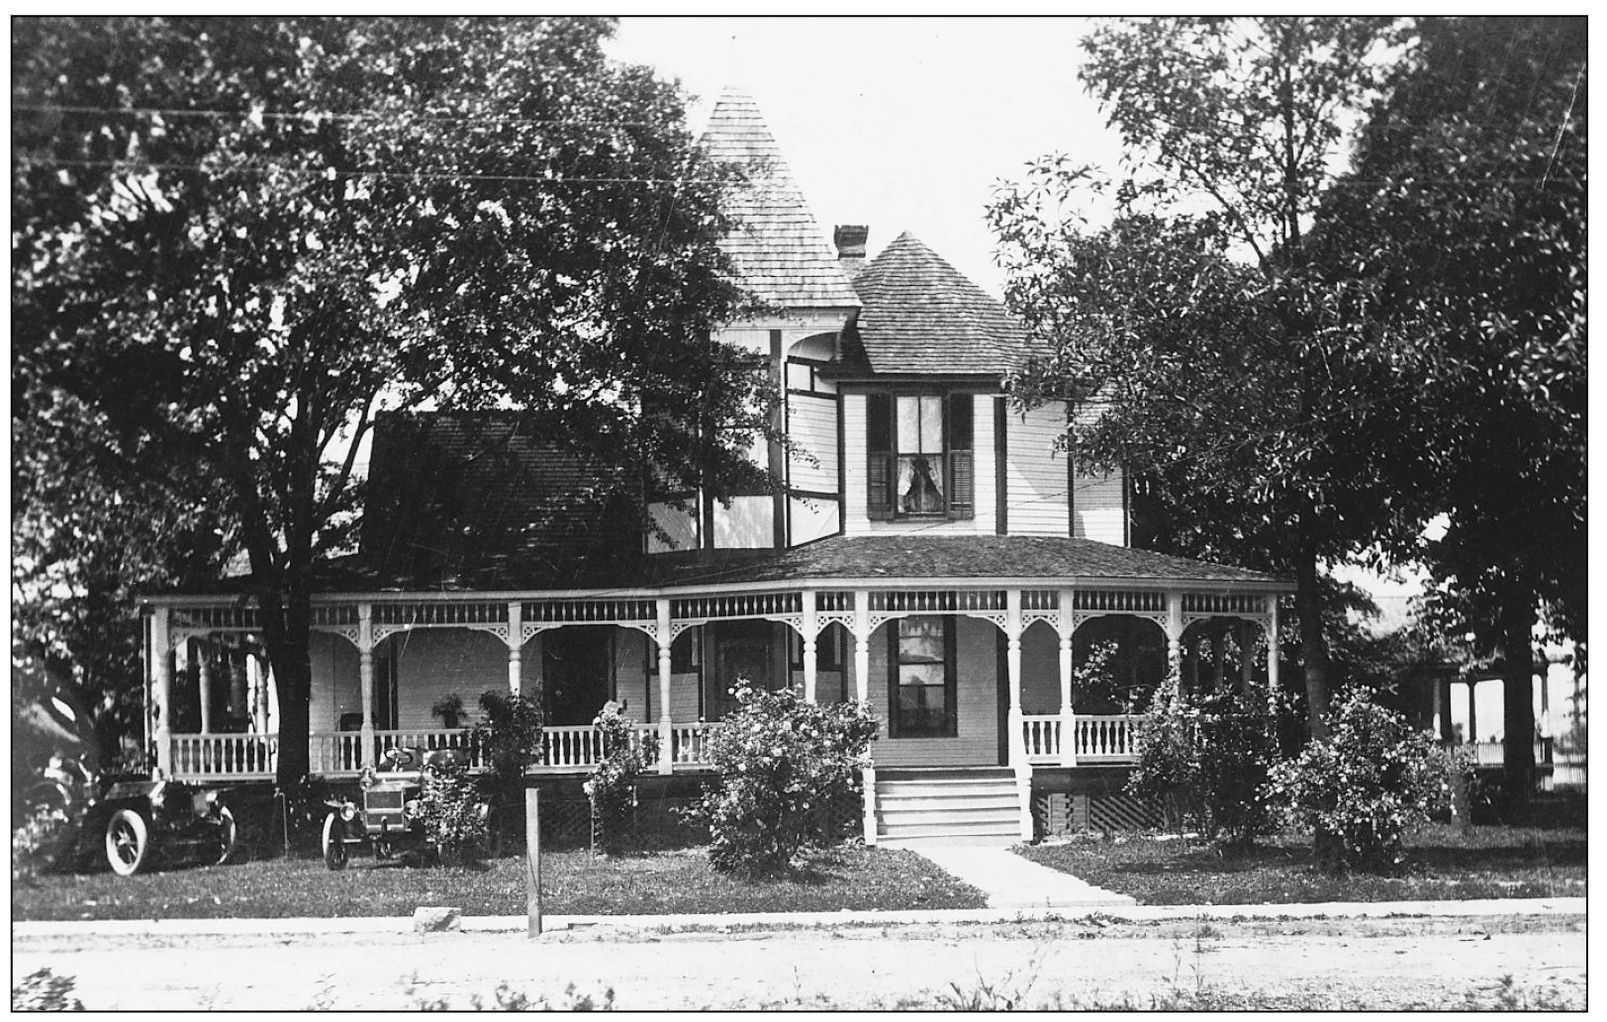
(896,123)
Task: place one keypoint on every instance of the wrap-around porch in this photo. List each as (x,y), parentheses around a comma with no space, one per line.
(962,672)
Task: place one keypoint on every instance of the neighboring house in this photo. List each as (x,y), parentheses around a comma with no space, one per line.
(931,554)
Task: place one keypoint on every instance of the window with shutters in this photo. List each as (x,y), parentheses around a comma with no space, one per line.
(920,457)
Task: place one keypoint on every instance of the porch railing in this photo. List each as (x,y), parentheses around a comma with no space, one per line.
(1104,738)
(1042,734)
(241,755)
(581,746)
(1096,738)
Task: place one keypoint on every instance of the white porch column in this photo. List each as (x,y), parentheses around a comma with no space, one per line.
(1068,714)
(515,645)
(1245,641)
(1272,646)
(162,689)
(365,678)
(810,639)
(666,727)
(1018,738)
(203,682)
(862,645)
(862,693)
(1174,636)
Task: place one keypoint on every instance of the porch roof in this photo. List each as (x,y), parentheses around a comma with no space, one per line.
(859,561)
(963,557)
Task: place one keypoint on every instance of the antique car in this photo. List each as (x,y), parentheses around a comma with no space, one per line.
(131,821)
(143,820)
(389,820)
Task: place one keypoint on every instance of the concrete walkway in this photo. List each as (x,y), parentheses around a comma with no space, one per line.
(1011,881)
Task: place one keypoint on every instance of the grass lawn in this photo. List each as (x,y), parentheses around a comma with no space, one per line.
(1443,862)
(573,883)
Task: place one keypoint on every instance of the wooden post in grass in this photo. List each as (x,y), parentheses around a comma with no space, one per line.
(533,859)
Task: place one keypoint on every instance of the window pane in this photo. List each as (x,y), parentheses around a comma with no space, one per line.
(909,423)
(920,483)
(920,674)
(931,424)
(920,649)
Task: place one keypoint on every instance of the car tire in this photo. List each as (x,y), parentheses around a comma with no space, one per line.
(334,844)
(128,842)
(228,836)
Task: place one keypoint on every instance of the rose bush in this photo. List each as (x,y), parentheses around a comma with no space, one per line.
(782,763)
(1374,779)
(1211,754)
(612,784)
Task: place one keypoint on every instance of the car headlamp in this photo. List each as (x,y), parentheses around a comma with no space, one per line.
(348,812)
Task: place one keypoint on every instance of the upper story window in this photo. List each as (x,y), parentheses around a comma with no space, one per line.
(920,456)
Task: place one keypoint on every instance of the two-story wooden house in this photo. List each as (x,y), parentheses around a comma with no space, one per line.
(931,554)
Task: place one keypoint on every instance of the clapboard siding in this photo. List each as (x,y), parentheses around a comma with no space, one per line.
(813,518)
(985,465)
(336,687)
(977,699)
(812,427)
(854,520)
(1099,508)
(1036,473)
(431,663)
(636,681)
(1040,669)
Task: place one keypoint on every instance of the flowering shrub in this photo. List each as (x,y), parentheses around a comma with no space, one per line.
(453,814)
(1213,755)
(1375,778)
(612,785)
(780,760)
(508,736)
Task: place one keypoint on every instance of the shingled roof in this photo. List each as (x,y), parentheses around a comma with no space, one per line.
(484,495)
(918,314)
(1060,559)
(780,254)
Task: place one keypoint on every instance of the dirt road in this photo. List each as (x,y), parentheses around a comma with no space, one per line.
(1388,963)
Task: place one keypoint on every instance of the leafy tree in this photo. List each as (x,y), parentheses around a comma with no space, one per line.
(1465,214)
(236,240)
(1224,365)
(82,536)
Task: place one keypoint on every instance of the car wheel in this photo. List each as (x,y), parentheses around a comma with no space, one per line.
(334,844)
(228,836)
(128,842)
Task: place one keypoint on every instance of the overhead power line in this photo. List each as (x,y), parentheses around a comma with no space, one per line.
(333,173)
(320,115)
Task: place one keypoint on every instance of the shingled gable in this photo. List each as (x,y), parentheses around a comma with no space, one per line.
(781,255)
(918,314)
(465,494)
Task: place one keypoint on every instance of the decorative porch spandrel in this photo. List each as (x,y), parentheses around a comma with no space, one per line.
(959,676)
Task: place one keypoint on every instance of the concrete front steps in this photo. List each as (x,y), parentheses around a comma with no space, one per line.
(947,806)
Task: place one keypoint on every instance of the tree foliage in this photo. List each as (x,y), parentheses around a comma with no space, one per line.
(1465,214)
(1225,367)
(236,240)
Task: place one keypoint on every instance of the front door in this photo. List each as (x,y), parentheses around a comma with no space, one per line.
(576,672)
(741,649)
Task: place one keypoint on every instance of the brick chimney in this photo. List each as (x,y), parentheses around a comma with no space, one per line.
(850,242)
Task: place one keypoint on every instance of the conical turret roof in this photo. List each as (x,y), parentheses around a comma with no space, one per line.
(779,251)
(918,314)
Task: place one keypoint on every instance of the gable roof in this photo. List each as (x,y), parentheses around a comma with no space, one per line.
(777,246)
(918,314)
(465,494)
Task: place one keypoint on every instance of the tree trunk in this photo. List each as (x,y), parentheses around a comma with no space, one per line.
(287,617)
(1313,647)
(1517,700)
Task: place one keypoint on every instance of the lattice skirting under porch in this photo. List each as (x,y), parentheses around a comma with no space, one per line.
(1056,813)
